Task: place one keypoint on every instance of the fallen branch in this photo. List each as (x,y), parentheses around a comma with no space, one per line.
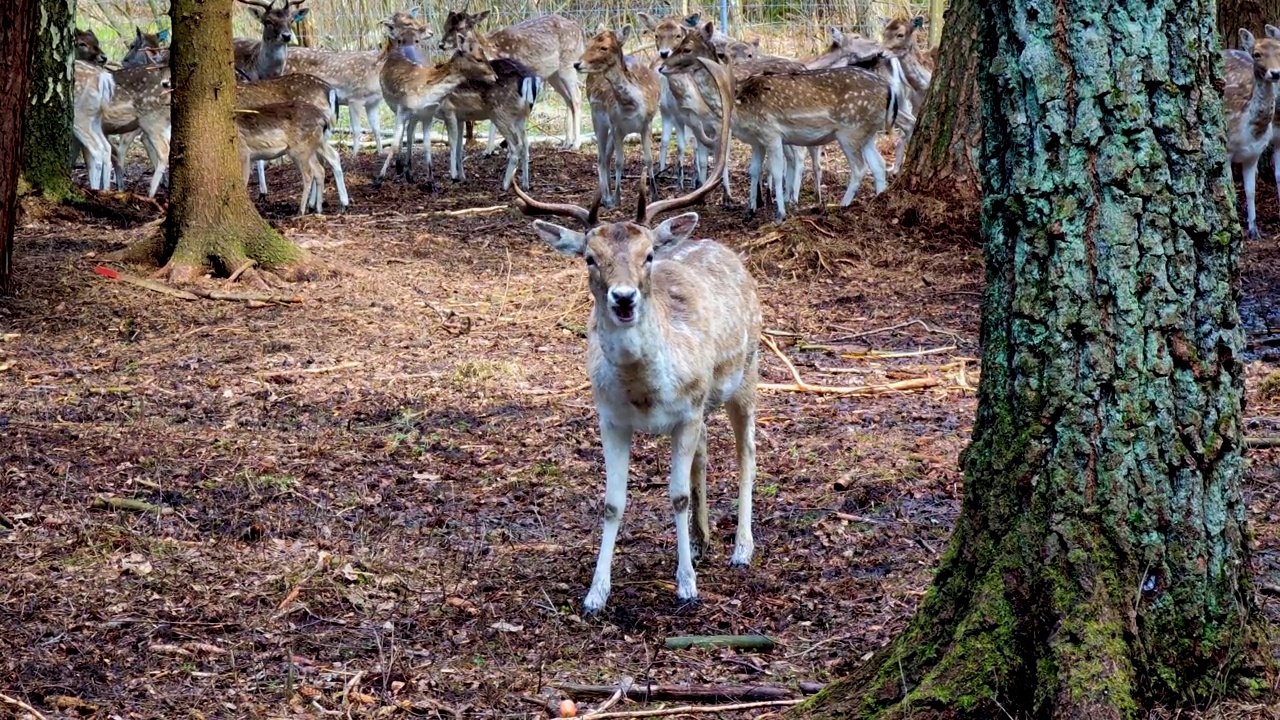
(890,354)
(623,687)
(690,693)
(153,285)
(312,370)
(901,385)
(130,504)
(693,709)
(21,706)
(1262,442)
(475,211)
(245,296)
(196,293)
(749,642)
(240,271)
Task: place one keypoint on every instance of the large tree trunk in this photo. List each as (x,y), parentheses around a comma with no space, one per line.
(211,221)
(942,155)
(1251,15)
(46,149)
(17,26)
(1100,564)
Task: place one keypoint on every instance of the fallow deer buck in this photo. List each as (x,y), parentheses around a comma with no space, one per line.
(140,107)
(506,103)
(145,49)
(265,58)
(415,91)
(87,47)
(673,335)
(549,45)
(299,130)
(293,87)
(93,90)
(1250,99)
(623,93)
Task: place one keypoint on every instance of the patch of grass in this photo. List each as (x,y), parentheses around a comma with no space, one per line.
(485,373)
(1270,387)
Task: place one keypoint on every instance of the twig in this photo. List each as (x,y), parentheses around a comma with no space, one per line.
(475,211)
(312,370)
(696,709)
(887,354)
(901,385)
(649,692)
(21,706)
(623,687)
(153,285)
(769,239)
(795,374)
(750,642)
(1262,442)
(856,518)
(245,296)
(899,326)
(240,271)
(130,504)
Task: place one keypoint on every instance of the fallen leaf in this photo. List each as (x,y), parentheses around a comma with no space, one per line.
(501,626)
(135,563)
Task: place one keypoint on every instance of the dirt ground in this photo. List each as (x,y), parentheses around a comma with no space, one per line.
(385,500)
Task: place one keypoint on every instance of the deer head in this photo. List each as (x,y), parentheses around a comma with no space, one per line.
(667,33)
(738,50)
(277,23)
(619,255)
(460,24)
(691,52)
(603,51)
(87,47)
(146,49)
(1265,53)
(899,35)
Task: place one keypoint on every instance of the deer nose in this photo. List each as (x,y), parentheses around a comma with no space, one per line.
(287,37)
(1274,74)
(664,53)
(577,66)
(623,297)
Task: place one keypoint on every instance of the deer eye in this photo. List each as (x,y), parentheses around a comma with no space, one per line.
(591,262)
(648,259)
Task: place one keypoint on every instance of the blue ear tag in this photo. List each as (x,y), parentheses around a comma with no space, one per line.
(918,23)
(297,17)
(163,36)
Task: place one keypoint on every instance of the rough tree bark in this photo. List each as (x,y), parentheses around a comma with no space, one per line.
(17,26)
(1251,15)
(942,155)
(1100,563)
(211,224)
(46,146)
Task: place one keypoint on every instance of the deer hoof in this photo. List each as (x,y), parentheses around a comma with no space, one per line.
(1253,234)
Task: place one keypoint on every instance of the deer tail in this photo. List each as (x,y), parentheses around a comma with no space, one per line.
(106,85)
(530,87)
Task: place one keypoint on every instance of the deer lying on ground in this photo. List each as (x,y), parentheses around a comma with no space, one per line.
(294,87)
(265,58)
(414,90)
(549,45)
(299,130)
(140,107)
(623,93)
(1250,99)
(87,47)
(674,334)
(146,49)
(506,103)
(93,90)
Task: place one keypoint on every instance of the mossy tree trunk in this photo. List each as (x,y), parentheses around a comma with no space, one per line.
(212,224)
(17,24)
(1251,15)
(942,155)
(46,151)
(1100,563)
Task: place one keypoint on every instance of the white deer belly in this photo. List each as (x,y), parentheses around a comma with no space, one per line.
(642,407)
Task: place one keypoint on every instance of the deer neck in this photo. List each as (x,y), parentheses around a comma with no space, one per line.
(411,54)
(638,346)
(917,75)
(271,57)
(708,89)
(1262,107)
(625,89)
(437,84)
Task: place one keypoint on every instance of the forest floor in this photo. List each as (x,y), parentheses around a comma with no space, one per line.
(385,499)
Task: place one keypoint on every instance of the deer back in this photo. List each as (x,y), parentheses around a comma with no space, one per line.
(350,73)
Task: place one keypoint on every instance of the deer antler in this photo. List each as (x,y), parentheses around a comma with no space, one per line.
(724,83)
(258,3)
(529,206)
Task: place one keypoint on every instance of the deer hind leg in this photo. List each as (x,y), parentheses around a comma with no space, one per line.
(393,149)
(815,154)
(646,153)
(565,82)
(330,156)
(515,148)
(777,176)
(698,486)
(617,461)
(742,416)
(753,175)
(262,179)
(1249,173)
(684,445)
(604,149)
(353,119)
(374,118)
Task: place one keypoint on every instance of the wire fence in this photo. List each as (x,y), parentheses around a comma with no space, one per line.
(793,28)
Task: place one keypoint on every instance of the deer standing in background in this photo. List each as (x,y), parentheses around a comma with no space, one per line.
(265,58)
(140,107)
(623,92)
(899,40)
(87,47)
(354,77)
(506,103)
(146,49)
(674,334)
(681,104)
(294,87)
(93,90)
(301,131)
(1250,99)
(549,45)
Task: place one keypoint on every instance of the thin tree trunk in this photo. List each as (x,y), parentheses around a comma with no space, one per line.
(941,158)
(211,222)
(17,26)
(46,151)
(1251,15)
(1100,565)
(868,22)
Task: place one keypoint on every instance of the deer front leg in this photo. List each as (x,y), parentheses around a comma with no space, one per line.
(684,446)
(698,485)
(617,459)
(742,416)
(1249,173)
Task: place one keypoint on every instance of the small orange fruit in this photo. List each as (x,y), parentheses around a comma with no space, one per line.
(568,709)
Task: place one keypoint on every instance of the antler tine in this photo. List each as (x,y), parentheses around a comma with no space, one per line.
(259,3)
(642,202)
(724,82)
(296,3)
(531,207)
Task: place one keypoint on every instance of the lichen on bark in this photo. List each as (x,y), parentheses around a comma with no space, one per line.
(1100,563)
(46,141)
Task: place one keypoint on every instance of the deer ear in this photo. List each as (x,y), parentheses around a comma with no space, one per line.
(647,20)
(163,35)
(479,17)
(299,15)
(674,231)
(1246,40)
(755,42)
(709,30)
(1273,32)
(565,241)
(624,35)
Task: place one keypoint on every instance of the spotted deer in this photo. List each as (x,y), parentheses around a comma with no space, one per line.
(674,334)
(293,87)
(680,104)
(415,90)
(353,74)
(265,58)
(623,93)
(87,47)
(1250,99)
(299,130)
(549,45)
(145,49)
(506,103)
(140,108)
(94,88)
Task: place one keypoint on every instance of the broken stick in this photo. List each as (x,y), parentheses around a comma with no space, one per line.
(747,642)
(692,709)
(688,693)
(119,503)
